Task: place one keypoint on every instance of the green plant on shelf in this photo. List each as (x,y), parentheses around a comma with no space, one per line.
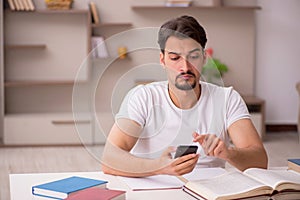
(214,69)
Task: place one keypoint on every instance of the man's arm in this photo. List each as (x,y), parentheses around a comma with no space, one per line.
(117,159)
(248,150)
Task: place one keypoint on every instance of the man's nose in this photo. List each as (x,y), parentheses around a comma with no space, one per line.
(184,65)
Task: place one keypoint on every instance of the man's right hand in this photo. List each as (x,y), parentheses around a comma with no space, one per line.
(179,166)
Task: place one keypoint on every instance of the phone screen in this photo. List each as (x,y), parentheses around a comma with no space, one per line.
(183,150)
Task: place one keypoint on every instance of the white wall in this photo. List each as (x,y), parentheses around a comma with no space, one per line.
(277,59)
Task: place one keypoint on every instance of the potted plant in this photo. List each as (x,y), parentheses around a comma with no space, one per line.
(214,69)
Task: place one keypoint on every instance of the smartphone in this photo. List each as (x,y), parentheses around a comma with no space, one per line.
(183,150)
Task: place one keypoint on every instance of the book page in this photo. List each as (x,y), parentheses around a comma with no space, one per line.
(152,182)
(229,185)
(169,182)
(204,173)
(274,178)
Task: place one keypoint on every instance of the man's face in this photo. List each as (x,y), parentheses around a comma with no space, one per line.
(183,59)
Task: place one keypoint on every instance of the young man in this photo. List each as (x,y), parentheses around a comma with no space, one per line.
(157,117)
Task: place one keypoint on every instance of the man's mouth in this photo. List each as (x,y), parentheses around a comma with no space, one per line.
(186,76)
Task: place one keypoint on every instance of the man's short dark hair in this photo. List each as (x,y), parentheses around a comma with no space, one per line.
(181,27)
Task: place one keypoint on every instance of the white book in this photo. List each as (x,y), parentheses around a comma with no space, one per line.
(11,5)
(16,3)
(26,5)
(21,6)
(31,5)
(99,47)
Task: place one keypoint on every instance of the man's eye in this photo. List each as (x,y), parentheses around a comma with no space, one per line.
(174,57)
(194,56)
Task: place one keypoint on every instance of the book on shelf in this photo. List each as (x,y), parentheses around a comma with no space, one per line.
(26,5)
(94,13)
(253,183)
(99,49)
(11,4)
(21,5)
(62,188)
(294,164)
(98,193)
(17,5)
(31,5)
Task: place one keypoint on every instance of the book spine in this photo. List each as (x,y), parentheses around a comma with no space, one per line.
(22,8)
(11,5)
(16,2)
(95,16)
(26,5)
(31,5)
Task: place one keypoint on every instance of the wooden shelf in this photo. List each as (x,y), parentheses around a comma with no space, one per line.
(36,83)
(49,11)
(252,100)
(195,7)
(25,46)
(111,24)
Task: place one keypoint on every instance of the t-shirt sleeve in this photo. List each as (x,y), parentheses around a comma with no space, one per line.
(236,108)
(134,106)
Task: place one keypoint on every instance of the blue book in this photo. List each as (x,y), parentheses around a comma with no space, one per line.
(294,164)
(62,188)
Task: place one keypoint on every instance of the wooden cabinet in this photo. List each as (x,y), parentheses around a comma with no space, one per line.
(43,51)
(256,107)
(44,129)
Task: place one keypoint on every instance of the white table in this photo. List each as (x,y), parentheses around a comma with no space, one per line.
(21,184)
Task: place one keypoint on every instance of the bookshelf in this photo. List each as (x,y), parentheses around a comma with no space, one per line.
(25,46)
(111,24)
(38,85)
(44,50)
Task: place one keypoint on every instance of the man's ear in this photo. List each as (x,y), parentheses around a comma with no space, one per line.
(162,59)
(204,57)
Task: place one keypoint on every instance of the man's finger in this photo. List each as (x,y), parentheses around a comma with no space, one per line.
(213,145)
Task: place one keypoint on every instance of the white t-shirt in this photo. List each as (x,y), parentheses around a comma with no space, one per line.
(166,125)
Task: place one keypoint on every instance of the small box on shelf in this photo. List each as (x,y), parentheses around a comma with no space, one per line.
(59,4)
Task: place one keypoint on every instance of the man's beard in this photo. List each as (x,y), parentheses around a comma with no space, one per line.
(185,85)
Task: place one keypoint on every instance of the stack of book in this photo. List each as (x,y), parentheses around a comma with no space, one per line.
(294,164)
(77,188)
(21,5)
(178,3)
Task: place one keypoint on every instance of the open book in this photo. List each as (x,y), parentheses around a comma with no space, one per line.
(161,182)
(251,184)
